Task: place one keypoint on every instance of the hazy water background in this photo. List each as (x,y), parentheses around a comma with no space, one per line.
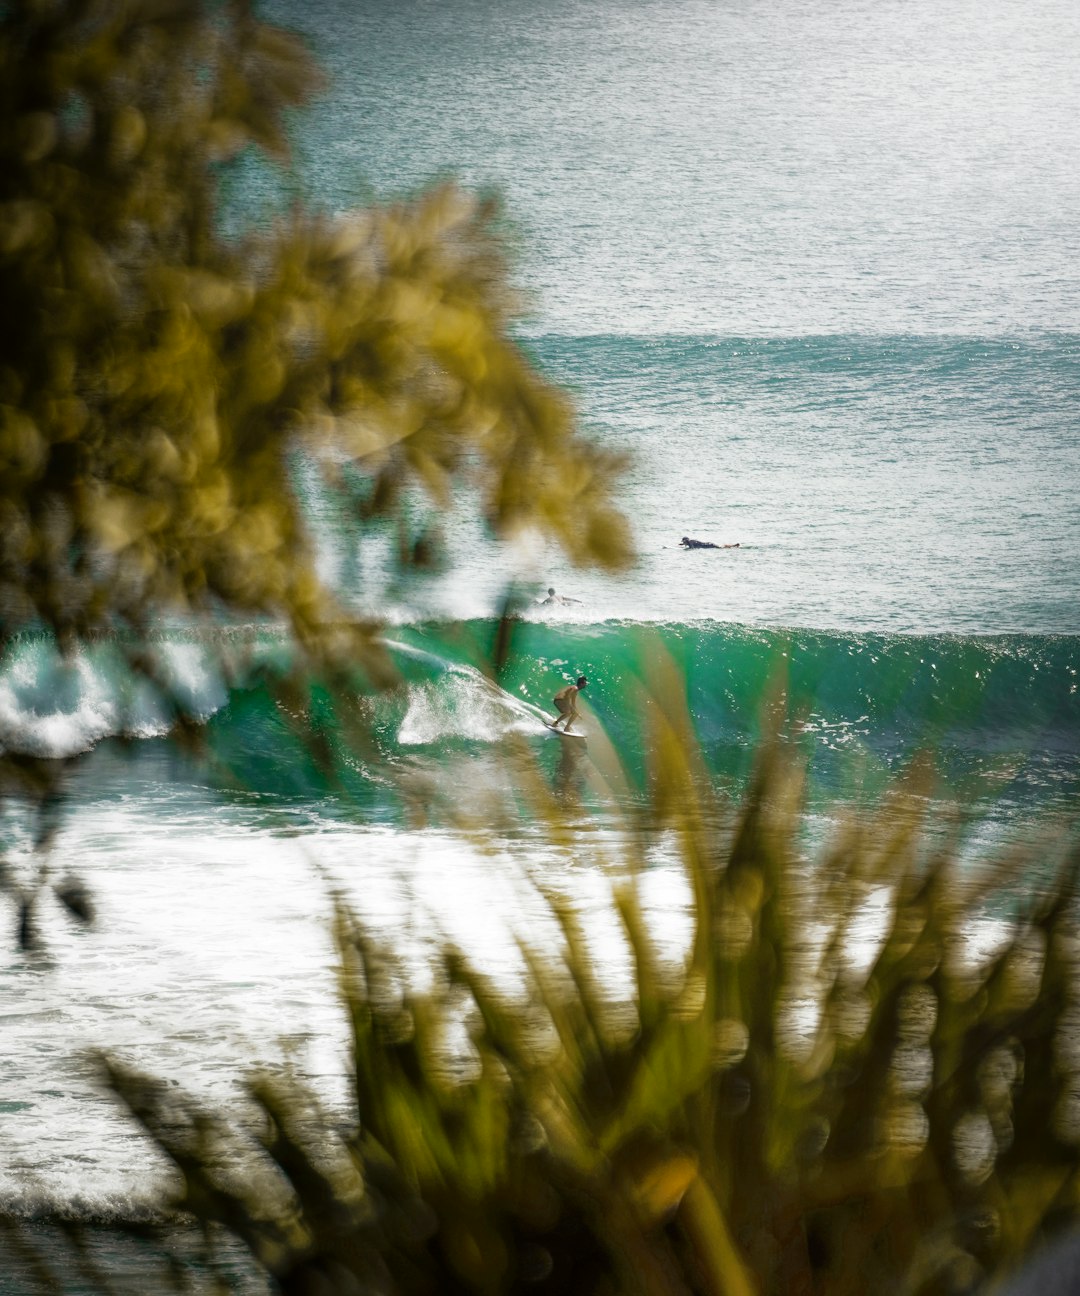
(747,169)
(817,267)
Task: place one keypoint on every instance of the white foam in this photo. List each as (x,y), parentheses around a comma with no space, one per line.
(213,955)
(56,706)
(49,707)
(461,703)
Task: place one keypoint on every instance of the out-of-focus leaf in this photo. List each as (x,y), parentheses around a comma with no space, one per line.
(74,895)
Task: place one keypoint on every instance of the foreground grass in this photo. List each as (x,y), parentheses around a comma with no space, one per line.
(834,1094)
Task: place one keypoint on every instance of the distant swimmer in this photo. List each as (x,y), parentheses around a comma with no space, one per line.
(554,599)
(687,543)
(566,704)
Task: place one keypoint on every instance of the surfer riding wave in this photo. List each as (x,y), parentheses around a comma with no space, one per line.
(566,704)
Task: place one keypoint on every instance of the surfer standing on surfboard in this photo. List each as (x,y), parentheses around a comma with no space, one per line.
(566,704)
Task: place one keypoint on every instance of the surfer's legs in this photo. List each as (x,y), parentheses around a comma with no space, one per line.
(565,713)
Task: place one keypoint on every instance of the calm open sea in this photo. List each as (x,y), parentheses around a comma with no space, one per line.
(818,268)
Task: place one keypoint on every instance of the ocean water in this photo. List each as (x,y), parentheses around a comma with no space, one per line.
(817,268)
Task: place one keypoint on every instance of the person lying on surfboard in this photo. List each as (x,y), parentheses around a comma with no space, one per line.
(566,704)
(687,543)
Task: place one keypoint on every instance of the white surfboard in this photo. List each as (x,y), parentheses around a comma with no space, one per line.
(561,733)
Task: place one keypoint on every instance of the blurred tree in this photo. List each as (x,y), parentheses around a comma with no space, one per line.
(160,377)
(156,375)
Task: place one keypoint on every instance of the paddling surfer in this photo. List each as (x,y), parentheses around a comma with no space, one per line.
(687,543)
(566,704)
(553,598)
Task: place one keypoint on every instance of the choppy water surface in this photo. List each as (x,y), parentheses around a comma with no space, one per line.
(816,268)
(909,484)
(679,166)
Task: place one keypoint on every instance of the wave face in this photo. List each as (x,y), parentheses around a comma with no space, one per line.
(977,691)
(1001,714)
(976,700)
(979,701)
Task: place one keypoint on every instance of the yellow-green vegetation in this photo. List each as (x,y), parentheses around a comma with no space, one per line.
(156,374)
(837,1092)
(161,376)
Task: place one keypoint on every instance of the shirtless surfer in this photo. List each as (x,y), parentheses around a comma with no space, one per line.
(553,598)
(687,543)
(566,704)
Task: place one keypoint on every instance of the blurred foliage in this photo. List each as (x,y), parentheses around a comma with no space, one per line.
(162,381)
(847,1087)
(157,376)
